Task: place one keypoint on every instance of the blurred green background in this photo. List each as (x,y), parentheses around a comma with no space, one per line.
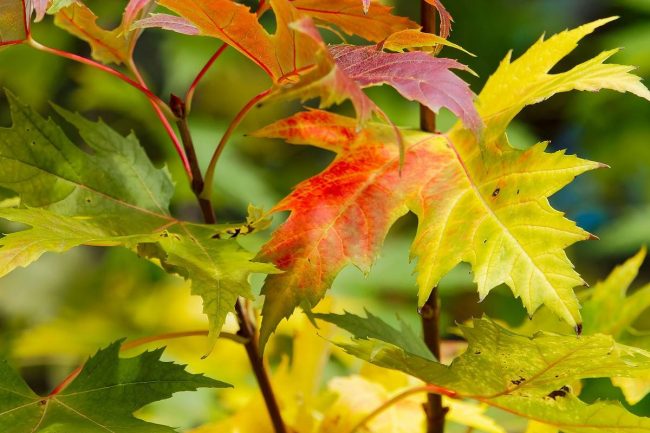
(64,307)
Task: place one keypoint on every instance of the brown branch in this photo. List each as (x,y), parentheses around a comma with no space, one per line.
(247,328)
(180,111)
(430,311)
(428,21)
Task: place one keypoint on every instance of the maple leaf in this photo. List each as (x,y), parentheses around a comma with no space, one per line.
(14,21)
(374,24)
(309,407)
(327,81)
(609,308)
(528,377)
(415,75)
(481,202)
(469,204)
(412,39)
(342,70)
(114,196)
(527,80)
(108,46)
(101,398)
(281,55)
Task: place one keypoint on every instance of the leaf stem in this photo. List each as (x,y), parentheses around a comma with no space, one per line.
(162,116)
(156,102)
(94,64)
(438,390)
(174,335)
(209,174)
(145,340)
(189,96)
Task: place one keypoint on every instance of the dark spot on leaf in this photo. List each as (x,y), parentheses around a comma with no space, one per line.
(579,329)
(88,200)
(496,192)
(517,192)
(43,402)
(518,381)
(234,232)
(562,392)
(478,352)
(485,241)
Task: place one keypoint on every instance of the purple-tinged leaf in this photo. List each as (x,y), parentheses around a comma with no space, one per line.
(415,75)
(40,6)
(136,8)
(328,81)
(168,22)
(332,84)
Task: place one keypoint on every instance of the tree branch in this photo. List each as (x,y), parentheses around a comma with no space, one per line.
(247,328)
(430,311)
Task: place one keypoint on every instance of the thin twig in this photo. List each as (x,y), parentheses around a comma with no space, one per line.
(401,396)
(209,174)
(163,119)
(430,311)
(189,96)
(180,111)
(94,64)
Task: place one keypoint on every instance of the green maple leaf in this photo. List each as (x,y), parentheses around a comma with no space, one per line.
(610,308)
(102,398)
(529,377)
(112,196)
